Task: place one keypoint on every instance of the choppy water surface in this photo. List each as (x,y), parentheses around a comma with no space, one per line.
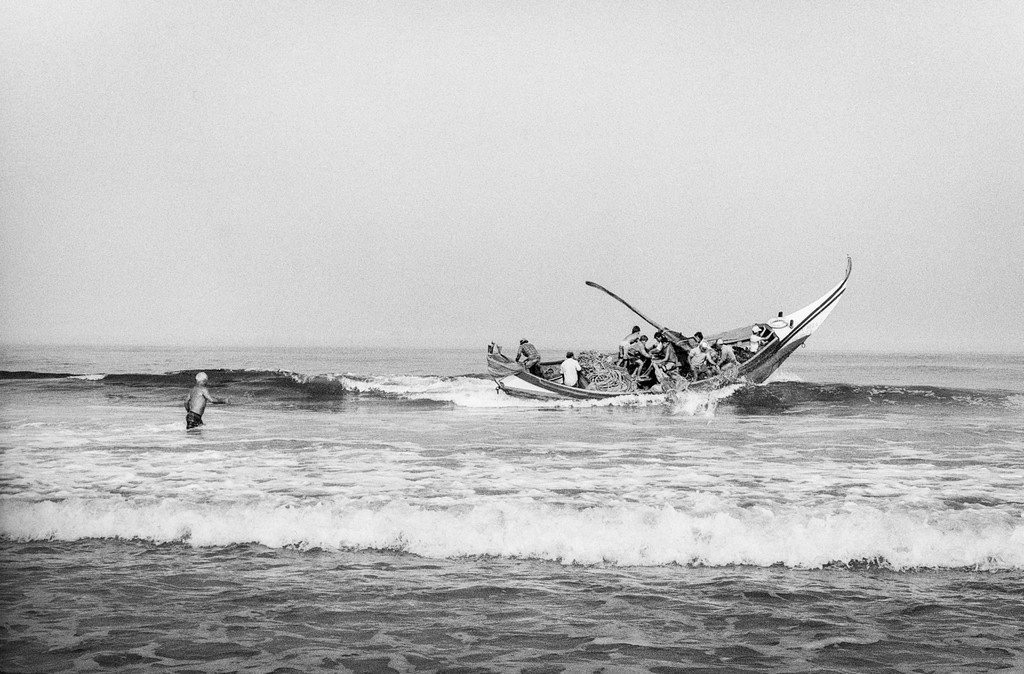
(397,514)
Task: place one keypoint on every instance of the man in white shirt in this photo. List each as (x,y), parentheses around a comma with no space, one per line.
(571,369)
(702,361)
(755,338)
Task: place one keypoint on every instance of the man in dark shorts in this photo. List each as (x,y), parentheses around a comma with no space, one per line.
(531,358)
(195,402)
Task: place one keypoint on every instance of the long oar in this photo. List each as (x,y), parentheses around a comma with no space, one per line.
(676,337)
(628,305)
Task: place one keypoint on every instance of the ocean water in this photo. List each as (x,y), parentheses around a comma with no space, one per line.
(389,511)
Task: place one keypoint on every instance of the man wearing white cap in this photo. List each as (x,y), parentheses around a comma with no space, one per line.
(726,357)
(702,361)
(195,402)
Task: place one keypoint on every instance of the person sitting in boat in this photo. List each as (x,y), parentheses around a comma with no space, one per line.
(571,369)
(665,360)
(531,357)
(726,357)
(627,341)
(702,362)
(638,358)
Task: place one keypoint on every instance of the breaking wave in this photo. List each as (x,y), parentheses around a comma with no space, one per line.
(623,534)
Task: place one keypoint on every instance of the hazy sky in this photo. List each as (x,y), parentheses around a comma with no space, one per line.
(447,173)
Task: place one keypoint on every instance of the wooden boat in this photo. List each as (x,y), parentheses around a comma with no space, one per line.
(779,338)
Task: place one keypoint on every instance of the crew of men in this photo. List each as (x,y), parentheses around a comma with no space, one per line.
(661,359)
(652,360)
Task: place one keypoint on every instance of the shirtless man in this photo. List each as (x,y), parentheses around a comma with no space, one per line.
(637,356)
(627,341)
(195,402)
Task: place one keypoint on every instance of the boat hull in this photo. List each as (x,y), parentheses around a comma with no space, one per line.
(526,385)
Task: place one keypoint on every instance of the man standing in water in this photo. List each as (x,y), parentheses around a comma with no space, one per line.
(195,402)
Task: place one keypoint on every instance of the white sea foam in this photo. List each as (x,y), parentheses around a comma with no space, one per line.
(463,391)
(700,403)
(625,534)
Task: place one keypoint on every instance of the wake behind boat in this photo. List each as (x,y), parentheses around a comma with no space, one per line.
(759,349)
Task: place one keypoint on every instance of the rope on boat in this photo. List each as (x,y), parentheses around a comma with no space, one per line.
(604,373)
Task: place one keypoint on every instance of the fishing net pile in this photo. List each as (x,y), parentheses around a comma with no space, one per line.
(604,373)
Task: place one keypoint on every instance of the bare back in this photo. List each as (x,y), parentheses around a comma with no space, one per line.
(197,399)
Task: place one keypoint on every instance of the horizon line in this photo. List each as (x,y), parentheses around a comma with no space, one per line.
(449,347)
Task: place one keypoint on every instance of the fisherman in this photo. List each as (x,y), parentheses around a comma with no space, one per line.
(684,346)
(755,338)
(681,345)
(531,357)
(195,402)
(571,369)
(626,342)
(665,360)
(727,362)
(701,361)
(637,356)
